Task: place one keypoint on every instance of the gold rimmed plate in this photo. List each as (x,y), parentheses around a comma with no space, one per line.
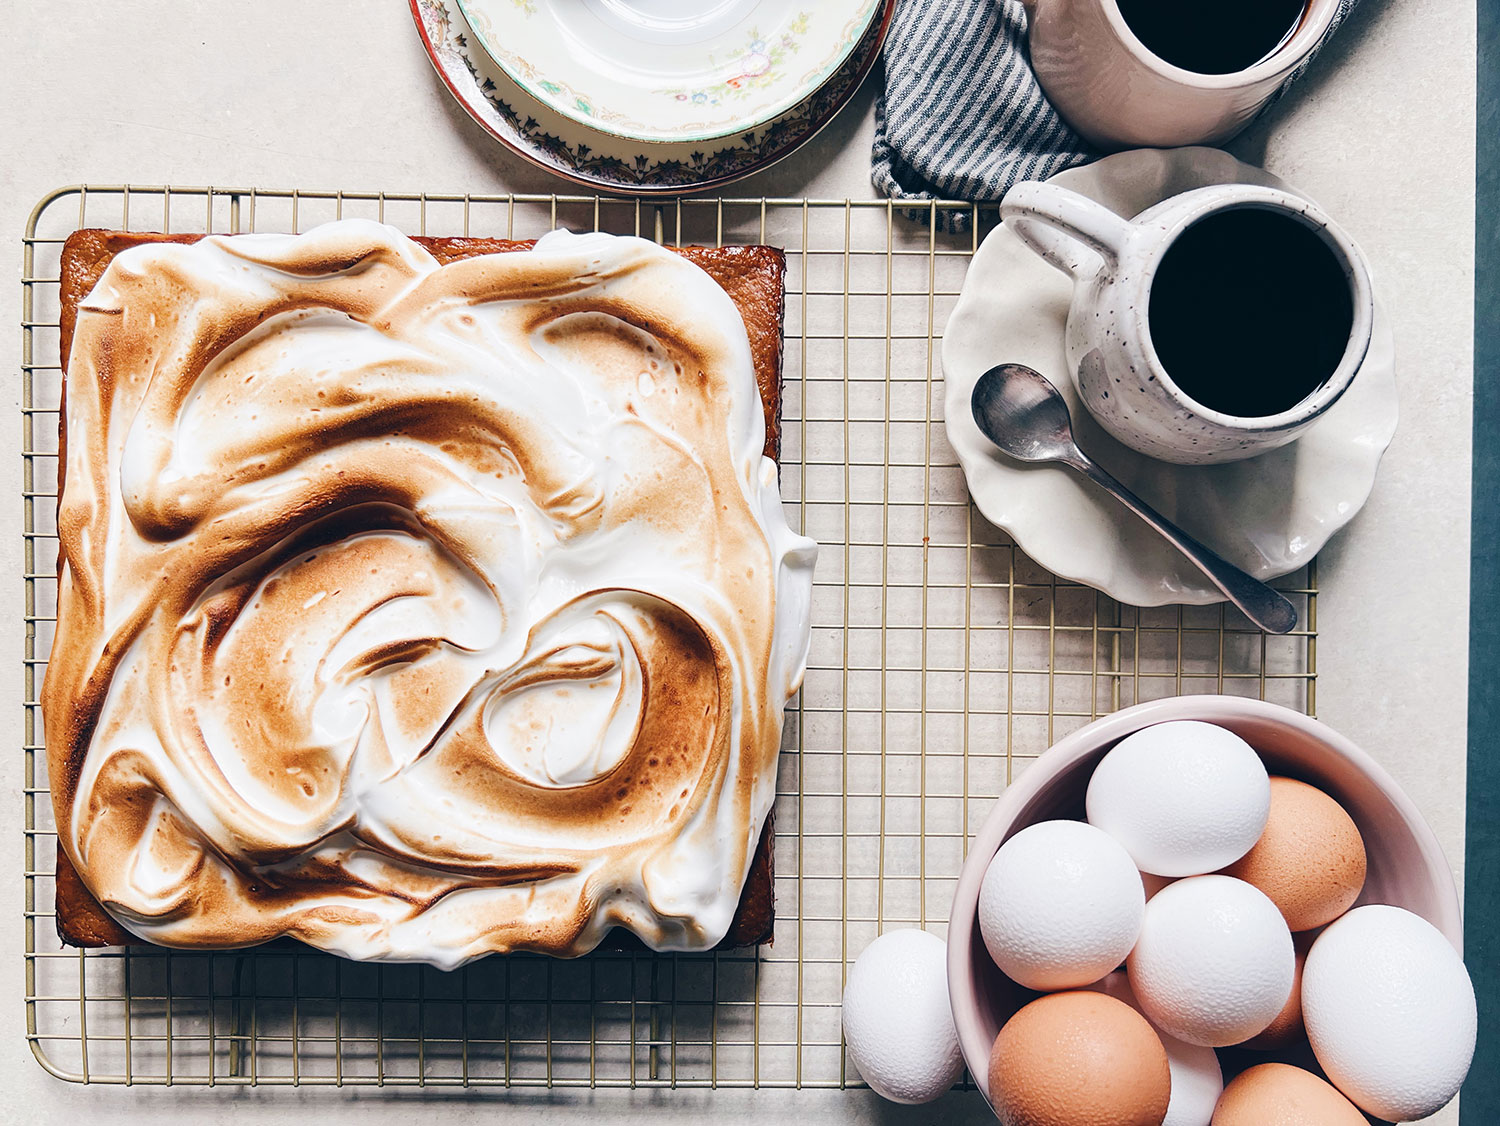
(602,161)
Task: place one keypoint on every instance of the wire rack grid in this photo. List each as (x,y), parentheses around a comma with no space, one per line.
(943,661)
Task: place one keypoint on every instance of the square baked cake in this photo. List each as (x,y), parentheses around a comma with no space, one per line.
(419,598)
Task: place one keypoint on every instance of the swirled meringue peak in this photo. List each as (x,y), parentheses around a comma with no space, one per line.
(417,611)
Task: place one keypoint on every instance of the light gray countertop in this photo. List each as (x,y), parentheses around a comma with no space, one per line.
(340,95)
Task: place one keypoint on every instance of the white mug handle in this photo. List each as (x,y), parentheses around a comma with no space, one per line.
(1057,223)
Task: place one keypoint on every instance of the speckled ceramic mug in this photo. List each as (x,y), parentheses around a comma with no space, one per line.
(1112,261)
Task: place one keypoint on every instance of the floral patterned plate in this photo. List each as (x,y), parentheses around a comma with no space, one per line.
(670,70)
(600,161)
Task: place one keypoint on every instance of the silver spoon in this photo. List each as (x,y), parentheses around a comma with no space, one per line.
(1024,414)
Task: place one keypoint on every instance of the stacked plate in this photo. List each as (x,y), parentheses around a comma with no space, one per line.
(652,97)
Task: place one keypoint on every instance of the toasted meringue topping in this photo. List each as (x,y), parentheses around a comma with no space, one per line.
(418,612)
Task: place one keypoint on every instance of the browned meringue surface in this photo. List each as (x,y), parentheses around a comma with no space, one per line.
(417,612)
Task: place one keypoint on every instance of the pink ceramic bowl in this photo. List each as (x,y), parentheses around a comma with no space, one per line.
(1406,865)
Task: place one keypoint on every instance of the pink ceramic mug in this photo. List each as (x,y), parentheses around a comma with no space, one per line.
(1119,95)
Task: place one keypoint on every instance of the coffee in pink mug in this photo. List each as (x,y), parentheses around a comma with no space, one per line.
(1163,73)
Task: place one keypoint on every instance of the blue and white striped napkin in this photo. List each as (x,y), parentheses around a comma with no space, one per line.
(962,116)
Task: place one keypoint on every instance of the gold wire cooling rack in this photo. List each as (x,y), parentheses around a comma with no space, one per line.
(943,661)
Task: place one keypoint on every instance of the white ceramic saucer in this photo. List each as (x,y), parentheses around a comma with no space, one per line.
(1270,514)
(670,70)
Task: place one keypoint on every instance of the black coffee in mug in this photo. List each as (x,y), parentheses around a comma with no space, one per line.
(1212,36)
(1250,311)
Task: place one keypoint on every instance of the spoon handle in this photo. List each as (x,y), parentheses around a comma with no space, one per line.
(1265,607)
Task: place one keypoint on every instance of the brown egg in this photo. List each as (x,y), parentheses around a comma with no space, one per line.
(1154,884)
(1287,1026)
(1310,860)
(1079,1059)
(1278,1094)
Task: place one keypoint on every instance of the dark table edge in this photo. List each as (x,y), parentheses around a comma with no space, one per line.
(1480,1103)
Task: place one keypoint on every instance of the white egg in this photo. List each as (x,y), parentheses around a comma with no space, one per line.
(1214,964)
(1197,1078)
(1060,906)
(1390,1012)
(897,1021)
(1184,798)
